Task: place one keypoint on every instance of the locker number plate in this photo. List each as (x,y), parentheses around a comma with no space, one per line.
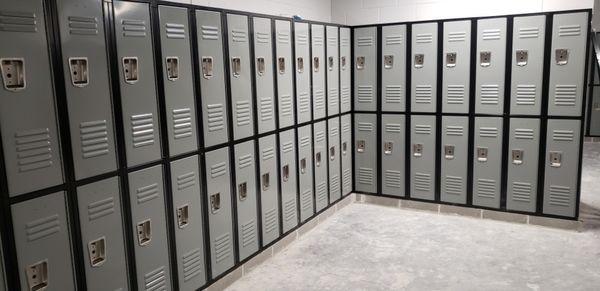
(360,63)
(388,61)
(562,56)
(419,60)
(418,149)
(207,67)
(517,157)
(13,73)
(451,60)
(555,159)
(522,57)
(485,59)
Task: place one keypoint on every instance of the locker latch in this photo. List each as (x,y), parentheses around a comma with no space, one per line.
(37,276)
(522,58)
(243,191)
(97,252)
(360,146)
(266,181)
(482,154)
(260,65)
(207,67)
(562,56)
(360,63)
(343,62)
(130,69)
(172,68)
(388,147)
(303,166)
(183,216)
(418,149)
(13,73)
(236,66)
(79,71)
(332,153)
(449,152)
(330,63)
(144,232)
(388,61)
(419,60)
(517,157)
(316,64)
(451,60)
(285,173)
(555,159)
(485,58)
(215,202)
(281,65)
(344,148)
(318,159)
(300,64)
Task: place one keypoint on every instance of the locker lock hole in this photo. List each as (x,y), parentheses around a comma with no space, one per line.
(562,56)
(388,61)
(285,173)
(419,60)
(388,147)
(79,71)
(343,63)
(207,67)
(13,73)
(183,216)
(130,69)
(555,159)
(332,153)
(300,65)
(172,68)
(144,232)
(522,56)
(449,152)
(344,148)
(360,146)
(243,191)
(281,65)
(266,181)
(360,63)
(482,154)
(418,149)
(316,64)
(37,276)
(260,65)
(303,166)
(451,60)
(318,159)
(215,202)
(97,252)
(236,66)
(485,58)
(517,157)
(330,63)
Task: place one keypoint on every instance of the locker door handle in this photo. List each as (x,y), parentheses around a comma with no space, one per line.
(215,202)
(388,61)
(555,159)
(207,67)
(331,63)
(243,191)
(360,63)
(388,147)
(316,64)
(130,70)
(449,152)
(300,65)
(281,62)
(332,153)
(266,177)
(419,60)
(517,157)
(344,148)
(260,65)
(318,159)
(343,63)
(97,252)
(522,56)
(183,216)
(303,166)
(418,150)
(172,68)
(451,60)
(485,58)
(482,154)
(236,66)
(144,232)
(561,56)
(360,146)
(286,173)
(13,73)
(37,275)
(79,71)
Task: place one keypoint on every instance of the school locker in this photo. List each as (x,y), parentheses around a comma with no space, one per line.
(346,154)
(490,66)
(365,142)
(334,155)
(305,169)
(345,65)
(393,68)
(456,73)
(487,161)
(289,191)
(393,164)
(285,73)
(302,66)
(246,195)
(269,188)
(422,156)
(263,71)
(365,69)
(424,67)
(333,72)
(318,66)
(523,164)
(454,152)
(320,165)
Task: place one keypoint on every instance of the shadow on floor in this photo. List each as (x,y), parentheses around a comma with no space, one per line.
(590,216)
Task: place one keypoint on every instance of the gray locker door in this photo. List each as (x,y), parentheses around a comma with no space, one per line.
(454,151)
(302,51)
(365,142)
(245,189)
(594,118)
(345,71)
(334,155)
(422,157)
(30,141)
(103,242)
(320,162)
(305,167)
(487,161)
(87,87)
(137,82)
(393,68)
(456,67)
(42,243)
(346,153)
(567,63)
(218,190)
(269,185)
(392,153)
(187,215)
(150,228)
(365,69)
(333,71)
(289,192)
(212,82)
(240,76)
(424,67)
(490,66)
(562,166)
(178,81)
(285,86)
(527,64)
(523,164)
(265,92)
(318,64)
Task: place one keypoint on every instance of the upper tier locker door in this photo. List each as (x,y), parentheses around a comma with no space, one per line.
(562,166)
(487,162)
(187,215)
(137,82)
(150,228)
(454,151)
(422,157)
(263,58)
(365,139)
(523,164)
(333,71)
(285,73)
(87,87)
(345,65)
(457,65)
(305,168)
(365,69)
(490,66)
(567,63)
(393,68)
(393,152)
(220,223)
(289,192)
(240,76)
(424,67)
(333,146)
(346,153)
(178,81)
(302,51)
(103,242)
(269,185)
(30,141)
(247,216)
(42,243)
(318,70)
(527,65)
(212,79)
(321,165)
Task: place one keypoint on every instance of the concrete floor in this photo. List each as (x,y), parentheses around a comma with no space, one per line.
(369,247)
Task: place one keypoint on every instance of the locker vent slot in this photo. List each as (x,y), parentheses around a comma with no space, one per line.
(248,233)
(147,193)
(245,161)
(155,280)
(394,39)
(365,126)
(287,147)
(529,32)
(303,102)
(424,38)
(345,95)
(301,39)
(222,249)
(335,184)
(490,34)
(423,94)
(320,136)
(317,40)
(270,220)
(175,30)
(393,127)
(262,37)
(526,94)
(365,93)
(216,117)
(268,153)
(319,99)
(333,96)
(210,32)
(488,132)
(186,180)
(453,185)
(365,41)
(283,36)
(94,138)
(79,25)
(42,228)
(99,209)
(455,94)
(422,182)
(457,36)
(322,192)
(490,94)
(346,127)
(521,191)
(393,93)
(34,149)
(524,133)
(133,28)
(332,41)
(182,123)
(18,21)
(306,199)
(454,130)
(305,141)
(486,188)
(243,114)
(285,102)
(218,169)
(345,41)
(422,129)
(193,263)
(266,109)
(365,176)
(289,210)
(347,178)
(560,195)
(238,35)
(569,30)
(393,179)
(142,130)
(565,95)
(563,135)
(334,131)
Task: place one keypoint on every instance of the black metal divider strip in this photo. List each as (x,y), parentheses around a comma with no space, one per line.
(471,118)
(352,107)
(506,113)
(439,110)
(407,110)
(339,118)
(378,109)
(275,59)
(295,113)
(312,114)
(325,68)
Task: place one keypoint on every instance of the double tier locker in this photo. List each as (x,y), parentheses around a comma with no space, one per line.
(320,165)
(393,68)
(28,122)
(177,79)
(365,142)
(333,156)
(346,153)
(487,161)
(490,66)
(246,198)
(522,163)
(215,109)
(345,65)
(305,169)
(333,70)
(285,73)
(454,153)
(263,72)
(302,66)
(318,66)
(269,188)
(365,69)
(288,178)
(393,164)
(456,66)
(424,67)
(422,156)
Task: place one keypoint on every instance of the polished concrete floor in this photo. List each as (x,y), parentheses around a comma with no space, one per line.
(370,247)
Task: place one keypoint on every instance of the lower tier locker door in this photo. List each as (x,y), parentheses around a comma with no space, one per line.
(220,222)
(318,66)
(103,243)
(334,154)
(333,72)
(393,68)
(150,229)
(523,164)
(305,169)
(289,191)
(365,142)
(454,151)
(487,161)
(285,73)
(422,157)
(42,243)
(245,189)
(345,71)
(263,64)
(320,162)
(346,154)
(187,215)
(562,167)
(302,74)
(392,154)
(269,188)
